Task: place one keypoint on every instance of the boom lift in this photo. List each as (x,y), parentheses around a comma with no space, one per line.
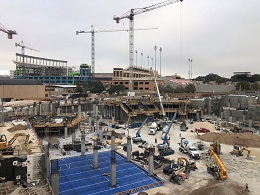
(164,148)
(160,98)
(238,151)
(130,15)
(6,147)
(138,137)
(218,171)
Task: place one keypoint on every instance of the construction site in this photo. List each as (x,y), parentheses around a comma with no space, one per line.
(139,142)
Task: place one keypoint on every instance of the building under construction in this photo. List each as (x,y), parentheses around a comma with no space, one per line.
(48,70)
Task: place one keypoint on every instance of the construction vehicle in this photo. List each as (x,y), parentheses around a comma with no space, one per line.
(192,165)
(130,15)
(181,162)
(153,128)
(187,148)
(238,151)
(6,147)
(183,126)
(218,171)
(215,146)
(164,148)
(179,174)
(138,137)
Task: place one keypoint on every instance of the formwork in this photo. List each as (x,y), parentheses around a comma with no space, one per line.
(77,176)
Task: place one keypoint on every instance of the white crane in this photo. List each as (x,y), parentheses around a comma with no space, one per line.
(9,33)
(23,47)
(130,15)
(92,31)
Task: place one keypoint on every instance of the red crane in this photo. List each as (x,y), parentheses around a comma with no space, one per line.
(10,33)
(130,15)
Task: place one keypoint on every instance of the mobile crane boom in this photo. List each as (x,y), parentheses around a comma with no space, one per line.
(130,15)
(138,137)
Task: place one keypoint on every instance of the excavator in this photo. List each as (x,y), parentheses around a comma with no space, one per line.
(238,151)
(218,171)
(6,147)
(191,165)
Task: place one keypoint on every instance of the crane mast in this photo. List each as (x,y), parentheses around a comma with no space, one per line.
(93,40)
(130,15)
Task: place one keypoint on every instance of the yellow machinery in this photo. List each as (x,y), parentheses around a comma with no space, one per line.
(192,165)
(218,171)
(215,146)
(6,147)
(238,151)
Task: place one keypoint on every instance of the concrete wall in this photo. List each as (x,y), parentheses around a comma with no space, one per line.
(22,91)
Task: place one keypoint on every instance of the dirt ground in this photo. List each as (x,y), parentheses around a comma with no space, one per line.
(239,169)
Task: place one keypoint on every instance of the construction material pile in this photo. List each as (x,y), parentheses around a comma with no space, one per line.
(241,139)
(220,189)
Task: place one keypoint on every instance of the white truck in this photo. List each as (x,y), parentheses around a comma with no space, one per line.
(153,128)
(187,148)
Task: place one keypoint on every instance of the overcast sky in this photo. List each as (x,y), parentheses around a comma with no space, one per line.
(220,36)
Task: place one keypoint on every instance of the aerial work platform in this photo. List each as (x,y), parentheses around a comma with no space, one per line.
(77,176)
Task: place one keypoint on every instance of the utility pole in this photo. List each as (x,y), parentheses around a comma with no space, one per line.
(141,59)
(155,48)
(136,57)
(191,68)
(160,61)
(148,61)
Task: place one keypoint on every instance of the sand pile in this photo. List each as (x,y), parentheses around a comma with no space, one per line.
(220,189)
(241,139)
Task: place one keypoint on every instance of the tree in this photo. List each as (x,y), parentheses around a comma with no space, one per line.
(190,88)
(243,85)
(179,89)
(255,86)
(94,87)
(116,89)
(79,89)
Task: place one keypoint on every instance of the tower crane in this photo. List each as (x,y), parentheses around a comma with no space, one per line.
(130,15)
(23,47)
(93,31)
(9,33)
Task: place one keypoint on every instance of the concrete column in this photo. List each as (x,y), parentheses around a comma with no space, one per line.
(51,107)
(229,104)
(94,109)
(58,111)
(65,132)
(35,110)
(79,109)
(72,108)
(221,115)
(96,114)
(83,143)
(47,159)
(97,126)
(198,115)
(129,148)
(150,161)
(90,120)
(113,120)
(250,123)
(113,161)
(244,117)
(237,123)
(28,110)
(100,118)
(95,155)
(73,136)
(55,184)
(40,109)
(230,119)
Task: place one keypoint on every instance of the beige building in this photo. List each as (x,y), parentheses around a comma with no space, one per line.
(21,89)
(143,78)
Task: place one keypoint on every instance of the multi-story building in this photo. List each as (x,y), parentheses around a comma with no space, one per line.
(143,78)
(48,71)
